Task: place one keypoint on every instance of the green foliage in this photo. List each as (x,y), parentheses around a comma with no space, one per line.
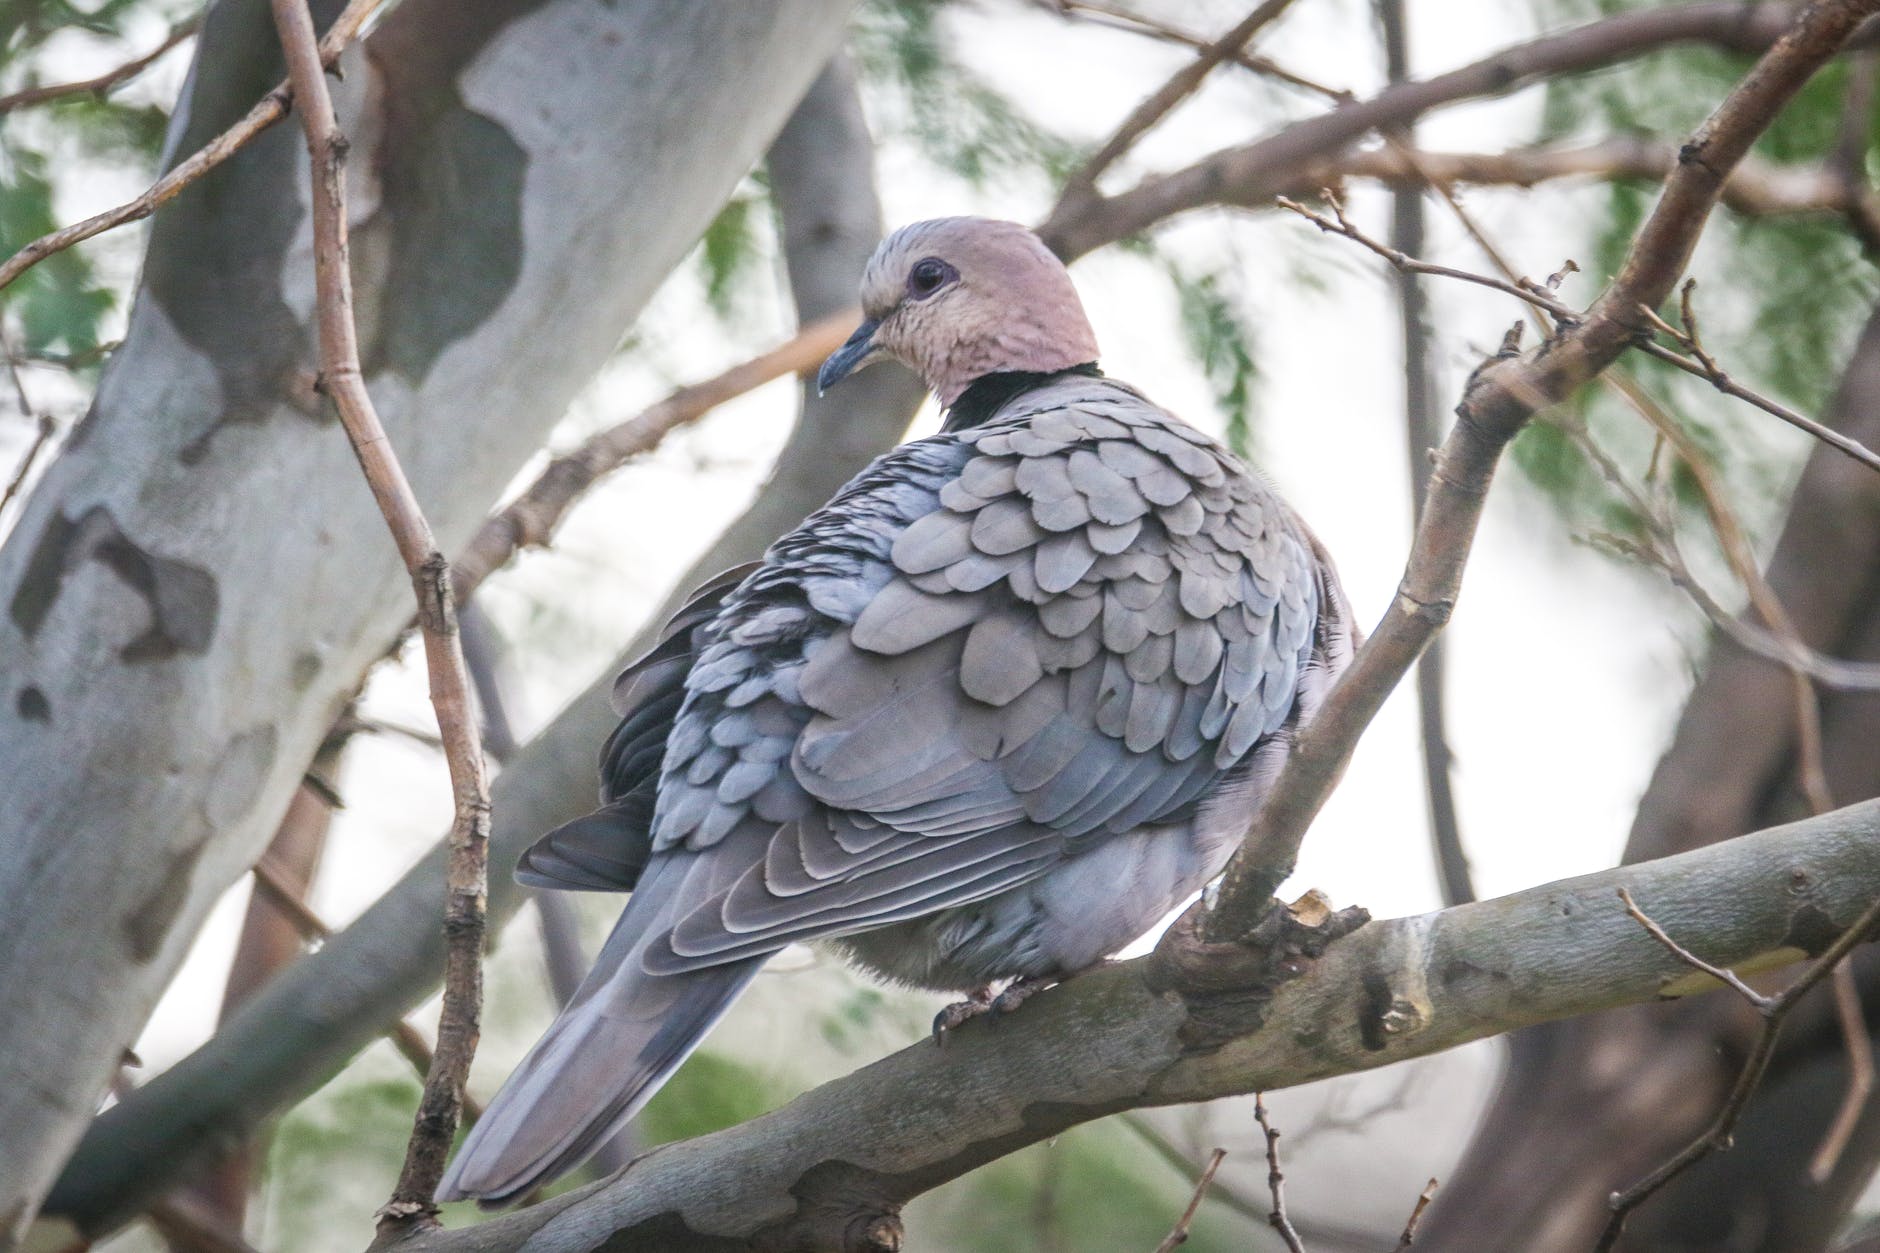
(60,306)
(710,1092)
(1779,298)
(1223,341)
(1094,1187)
(943,108)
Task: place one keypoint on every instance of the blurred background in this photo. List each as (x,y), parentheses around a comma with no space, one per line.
(1568,661)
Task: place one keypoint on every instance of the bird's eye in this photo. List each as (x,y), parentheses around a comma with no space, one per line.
(928,276)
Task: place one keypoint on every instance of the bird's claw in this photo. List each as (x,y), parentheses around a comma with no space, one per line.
(982,1002)
(959,1013)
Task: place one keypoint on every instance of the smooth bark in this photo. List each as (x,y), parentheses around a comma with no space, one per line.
(200,578)
(303,1028)
(1195,1022)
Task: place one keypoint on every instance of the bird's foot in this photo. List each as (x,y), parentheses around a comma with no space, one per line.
(1017,992)
(982,1002)
(977,1002)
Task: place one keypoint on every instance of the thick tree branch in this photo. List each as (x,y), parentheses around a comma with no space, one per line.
(1196,1021)
(271,109)
(1250,175)
(1497,403)
(466,874)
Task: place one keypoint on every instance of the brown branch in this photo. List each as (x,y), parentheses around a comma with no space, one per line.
(1756,188)
(271,109)
(1849,1012)
(1179,1235)
(104,83)
(1773,1009)
(1701,364)
(1409,1236)
(1251,174)
(466,873)
(1495,406)
(1275,1179)
(531,518)
(1082,184)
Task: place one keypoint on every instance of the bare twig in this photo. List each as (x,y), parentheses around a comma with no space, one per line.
(1179,1235)
(1275,1180)
(1773,1009)
(1083,183)
(1409,1236)
(466,873)
(1860,1075)
(1497,404)
(271,109)
(1534,294)
(1116,16)
(313,929)
(531,518)
(104,83)
(1704,366)
(47,428)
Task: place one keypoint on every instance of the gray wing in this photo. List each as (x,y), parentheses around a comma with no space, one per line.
(992,646)
(607,850)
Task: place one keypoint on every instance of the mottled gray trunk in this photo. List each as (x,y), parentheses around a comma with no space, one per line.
(299,1031)
(202,576)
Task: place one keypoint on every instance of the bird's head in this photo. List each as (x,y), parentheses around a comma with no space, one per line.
(956,299)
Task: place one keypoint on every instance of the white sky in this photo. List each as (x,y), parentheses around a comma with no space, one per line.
(1565,671)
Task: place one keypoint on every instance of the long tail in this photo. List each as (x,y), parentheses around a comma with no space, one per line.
(619,1039)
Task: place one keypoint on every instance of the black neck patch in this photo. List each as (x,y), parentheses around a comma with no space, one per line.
(989,392)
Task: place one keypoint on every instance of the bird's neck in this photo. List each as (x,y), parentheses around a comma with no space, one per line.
(988,393)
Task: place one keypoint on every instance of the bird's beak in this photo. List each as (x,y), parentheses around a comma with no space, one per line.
(857,352)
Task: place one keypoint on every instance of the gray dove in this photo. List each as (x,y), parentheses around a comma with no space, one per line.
(981,720)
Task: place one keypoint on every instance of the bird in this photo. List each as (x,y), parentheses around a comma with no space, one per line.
(985,718)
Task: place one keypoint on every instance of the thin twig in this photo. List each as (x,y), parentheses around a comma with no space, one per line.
(1275,1180)
(314,929)
(531,518)
(1774,1010)
(1860,1075)
(1177,89)
(271,109)
(47,428)
(1179,1236)
(1497,404)
(466,869)
(1529,293)
(1409,1236)
(1115,16)
(104,83)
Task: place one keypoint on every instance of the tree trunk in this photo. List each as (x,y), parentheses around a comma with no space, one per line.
(202,577)
(301,1029)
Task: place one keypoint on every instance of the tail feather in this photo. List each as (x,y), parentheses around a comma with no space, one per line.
(619,1039)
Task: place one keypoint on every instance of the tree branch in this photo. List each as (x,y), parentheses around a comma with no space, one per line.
(1165,98)
(1195,1021)
(530,520)
(466,875)
(1495,406)
(104,83)
(1250,175)
(271,109)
